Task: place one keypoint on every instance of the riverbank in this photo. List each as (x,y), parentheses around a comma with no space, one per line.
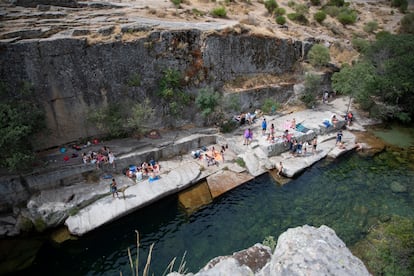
(258,157)
(77,195)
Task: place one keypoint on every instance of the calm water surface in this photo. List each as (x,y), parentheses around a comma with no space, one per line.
(348,195)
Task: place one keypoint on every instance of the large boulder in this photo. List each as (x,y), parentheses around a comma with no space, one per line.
(308,250)
(304,250)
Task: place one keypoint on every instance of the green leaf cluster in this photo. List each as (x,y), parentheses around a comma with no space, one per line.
(207,101)
(407,24)
(319,55)
(382,81)
(270,106)
(172,95)
(219,12)
(281,20)
(347,16)
(270,5)
(319,16)
(312,83)
(21,117)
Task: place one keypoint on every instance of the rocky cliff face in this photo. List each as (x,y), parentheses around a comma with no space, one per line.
(72,75)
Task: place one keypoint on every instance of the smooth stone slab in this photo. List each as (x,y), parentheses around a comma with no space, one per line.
(108,208)
(224,181)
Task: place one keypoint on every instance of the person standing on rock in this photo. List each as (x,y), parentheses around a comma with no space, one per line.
(280,168)
(114,188)
(264,126)
(250,136)
(246,136)
(314,144)
(111,158)
(339,137)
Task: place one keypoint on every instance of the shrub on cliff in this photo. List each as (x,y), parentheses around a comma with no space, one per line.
(110,119)
(207,101)
(270,5)
(219,12)
(20,119)
(407,24)
(319,55)
(319,16)
(173,98)
(370,27)
(312,84)
(347,16)
(281,20)
(402,5)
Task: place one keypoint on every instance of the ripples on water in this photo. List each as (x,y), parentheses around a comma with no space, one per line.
(348,195)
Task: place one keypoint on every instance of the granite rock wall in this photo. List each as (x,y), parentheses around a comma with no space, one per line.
(72,76)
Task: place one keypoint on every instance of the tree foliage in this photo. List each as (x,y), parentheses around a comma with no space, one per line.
(111,119)
(173,98)
(382,81)
(142,115)
(312,83)
(207,101)
(319,55)
(407,24)
(270,5)
(21,117)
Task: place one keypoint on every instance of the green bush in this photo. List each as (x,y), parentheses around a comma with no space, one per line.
(271,242)
(240,162)
(347,16)
(228,126)
(281,20)
(315,2)
(142,114)
(219,12)
(298,17)
(382,34)
(361,45)
(207,101)
(402,5)
(21,117)
(371,26)
(319,16)
(312,84)
(270,5)
(336,3)
(270,106)
(110,119)
(291,3)
(319,55)
(279,11)
(332,11)
(301,9)
(407,24)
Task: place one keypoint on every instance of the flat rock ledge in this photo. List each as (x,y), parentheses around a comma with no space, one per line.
(304,250)
(135,196)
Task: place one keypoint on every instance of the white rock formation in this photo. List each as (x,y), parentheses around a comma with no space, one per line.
(304,250)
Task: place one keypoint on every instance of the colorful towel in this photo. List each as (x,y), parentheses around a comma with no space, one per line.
(301,128)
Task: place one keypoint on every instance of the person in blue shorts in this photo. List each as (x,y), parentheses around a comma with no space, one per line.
(264,126)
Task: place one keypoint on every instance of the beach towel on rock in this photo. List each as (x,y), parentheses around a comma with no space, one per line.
(301,128)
